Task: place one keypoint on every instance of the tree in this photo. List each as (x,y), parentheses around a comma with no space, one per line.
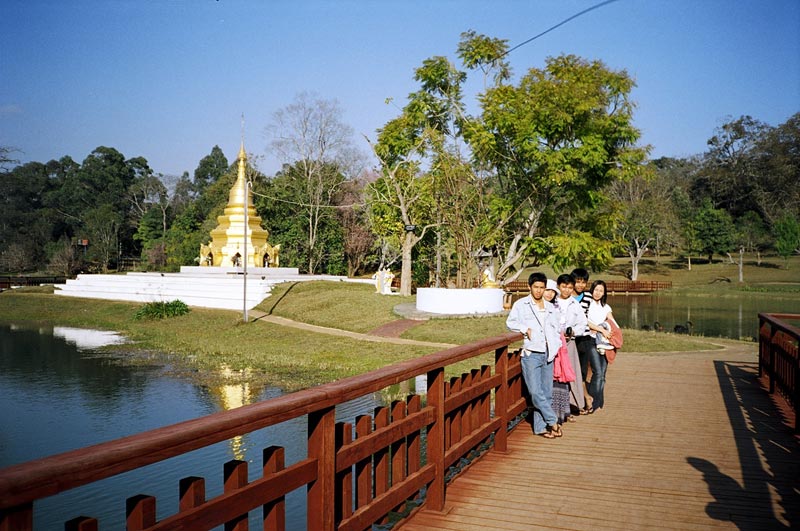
(209,170)
(24,222)
(402,201)
(281,201)
(6,160)
(777,170)
(310,135)
(714,229)
(752,233)
(644,213)
(358,240)
(553,142)
(728,176)
(787,237)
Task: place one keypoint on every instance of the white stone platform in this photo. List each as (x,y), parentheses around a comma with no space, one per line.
(206,287)
(460,301)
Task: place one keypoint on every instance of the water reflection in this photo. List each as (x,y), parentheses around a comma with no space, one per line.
(733,316)
(52,385)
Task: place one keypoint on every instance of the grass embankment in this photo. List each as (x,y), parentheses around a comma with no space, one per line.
(205,341)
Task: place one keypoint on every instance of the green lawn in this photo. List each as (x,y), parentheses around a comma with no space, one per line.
(205,341)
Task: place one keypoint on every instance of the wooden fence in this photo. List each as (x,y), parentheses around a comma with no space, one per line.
(614,286)
(778,357)
(354,474)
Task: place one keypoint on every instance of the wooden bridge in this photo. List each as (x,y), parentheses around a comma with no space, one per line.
(686,441)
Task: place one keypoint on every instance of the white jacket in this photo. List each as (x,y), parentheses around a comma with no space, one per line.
(545,335)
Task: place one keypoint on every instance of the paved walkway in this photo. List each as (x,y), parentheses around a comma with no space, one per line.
(686,441)
(257,315)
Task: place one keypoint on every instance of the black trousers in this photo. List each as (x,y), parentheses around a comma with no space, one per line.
(584,345)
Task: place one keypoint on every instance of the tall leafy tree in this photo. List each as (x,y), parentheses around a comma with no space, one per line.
(24,226)
(728,176)
(714,230)
(787,237)
(281,203)
(777,171)
(645,215)
(209,170)
(553,142)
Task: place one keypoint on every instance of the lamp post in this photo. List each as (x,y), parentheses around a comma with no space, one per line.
(244,270)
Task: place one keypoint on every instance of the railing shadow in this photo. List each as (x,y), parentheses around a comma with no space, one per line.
(769,456)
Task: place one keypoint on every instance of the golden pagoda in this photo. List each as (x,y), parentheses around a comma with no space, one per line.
(227,246)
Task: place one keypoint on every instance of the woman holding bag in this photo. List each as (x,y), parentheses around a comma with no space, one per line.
(597,314)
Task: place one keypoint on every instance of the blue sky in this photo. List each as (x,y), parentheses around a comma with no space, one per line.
(167,80)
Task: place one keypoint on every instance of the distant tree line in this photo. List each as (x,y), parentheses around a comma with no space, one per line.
(547,171)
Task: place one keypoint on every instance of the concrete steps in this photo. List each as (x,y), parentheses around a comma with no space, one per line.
(221,288)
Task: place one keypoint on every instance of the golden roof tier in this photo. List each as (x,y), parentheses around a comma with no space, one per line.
(228,244)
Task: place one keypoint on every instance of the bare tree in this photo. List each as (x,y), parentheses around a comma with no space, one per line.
(310,135)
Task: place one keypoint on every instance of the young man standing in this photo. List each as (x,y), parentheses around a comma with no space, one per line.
(538,321)
(583,341)
(573,319)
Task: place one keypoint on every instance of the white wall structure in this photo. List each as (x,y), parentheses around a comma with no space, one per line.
(460,301)
(206,287)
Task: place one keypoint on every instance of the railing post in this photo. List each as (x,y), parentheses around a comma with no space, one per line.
(771,368)
(235,477)
(501,395)
(436,494)
(274,511)
(81,523)
(322,447)
(761,345)
(140,512)
(191,493)
(19,518)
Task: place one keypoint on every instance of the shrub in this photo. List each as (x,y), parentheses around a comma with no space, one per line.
(160,310)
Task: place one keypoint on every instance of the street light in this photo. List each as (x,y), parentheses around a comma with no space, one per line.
(244,270)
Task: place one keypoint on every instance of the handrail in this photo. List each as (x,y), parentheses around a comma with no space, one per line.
(636,286)
(463,400)
(778,357)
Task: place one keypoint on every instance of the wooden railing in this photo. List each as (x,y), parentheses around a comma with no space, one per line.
(778,357)
(353,477)
(614,286)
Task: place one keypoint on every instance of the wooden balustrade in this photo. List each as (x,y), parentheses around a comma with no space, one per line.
(778,357)
(355,473)
(614,286)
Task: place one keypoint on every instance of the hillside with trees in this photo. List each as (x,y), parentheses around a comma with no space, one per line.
(548,170)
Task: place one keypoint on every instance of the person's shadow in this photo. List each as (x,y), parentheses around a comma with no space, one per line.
(769,457)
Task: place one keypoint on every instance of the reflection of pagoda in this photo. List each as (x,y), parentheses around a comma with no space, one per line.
(227,246)
(236,393)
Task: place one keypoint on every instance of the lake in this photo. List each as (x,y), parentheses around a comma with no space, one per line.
(57,394)
(733,316)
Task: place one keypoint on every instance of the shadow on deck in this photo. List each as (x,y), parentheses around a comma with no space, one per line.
(687,441)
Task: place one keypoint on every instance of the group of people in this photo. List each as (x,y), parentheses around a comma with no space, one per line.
(566,330)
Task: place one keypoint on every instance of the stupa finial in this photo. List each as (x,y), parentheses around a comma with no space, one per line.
(242,153)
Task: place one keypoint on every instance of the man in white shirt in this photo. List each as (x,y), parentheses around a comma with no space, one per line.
(539,321)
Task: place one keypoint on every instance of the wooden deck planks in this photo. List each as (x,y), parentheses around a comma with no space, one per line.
(687,441)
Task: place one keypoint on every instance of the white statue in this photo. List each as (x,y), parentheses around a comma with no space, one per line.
(383,281)
(487,278)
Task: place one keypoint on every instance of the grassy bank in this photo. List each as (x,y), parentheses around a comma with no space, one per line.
(205,342)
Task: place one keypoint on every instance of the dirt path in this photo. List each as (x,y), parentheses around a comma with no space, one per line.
(257,315)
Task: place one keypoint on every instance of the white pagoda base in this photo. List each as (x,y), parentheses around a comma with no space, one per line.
(206,287)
